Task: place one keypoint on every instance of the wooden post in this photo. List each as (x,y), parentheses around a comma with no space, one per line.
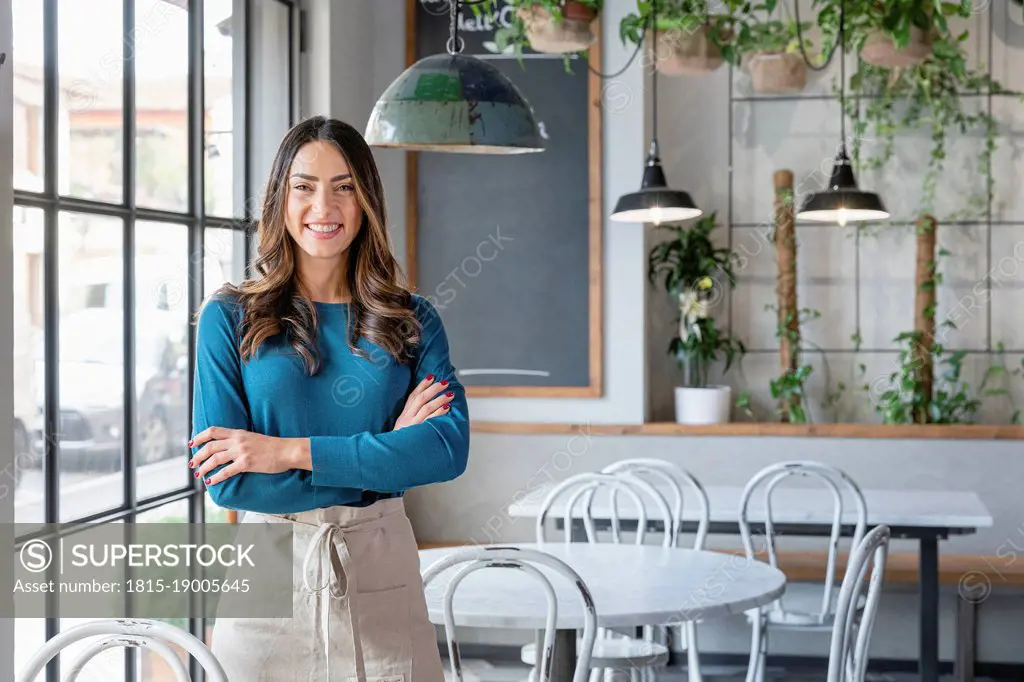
(924,310)
(785,253)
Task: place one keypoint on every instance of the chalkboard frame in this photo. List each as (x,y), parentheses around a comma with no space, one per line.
(595,229)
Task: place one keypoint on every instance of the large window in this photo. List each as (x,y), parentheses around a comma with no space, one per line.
(138,130)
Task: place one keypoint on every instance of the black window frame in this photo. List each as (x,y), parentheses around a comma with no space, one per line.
(52,204)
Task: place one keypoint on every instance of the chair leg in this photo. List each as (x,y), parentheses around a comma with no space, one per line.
(692,654)
(762,658)
(595,675)
(754,671)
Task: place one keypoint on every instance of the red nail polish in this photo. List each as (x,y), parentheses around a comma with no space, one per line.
(195,475)
(207,481)
(444,383)
(447,407)
(430,377)
(449,394)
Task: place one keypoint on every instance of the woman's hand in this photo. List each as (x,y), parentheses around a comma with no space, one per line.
(422,404)
(240,450)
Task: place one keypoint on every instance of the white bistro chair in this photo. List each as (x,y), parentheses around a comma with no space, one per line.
(674,478)
(776,615)
(126,632)
(851,631)
(612,651)
(523,560)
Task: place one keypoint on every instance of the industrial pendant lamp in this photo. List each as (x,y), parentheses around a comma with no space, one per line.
(454,103)
(842,201)
(655,202)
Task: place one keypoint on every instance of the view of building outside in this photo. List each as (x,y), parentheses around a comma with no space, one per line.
(91,57)
(90,246)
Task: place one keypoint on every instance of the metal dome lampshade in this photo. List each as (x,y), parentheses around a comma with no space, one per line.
(655,202)
(842,201)
(454,103)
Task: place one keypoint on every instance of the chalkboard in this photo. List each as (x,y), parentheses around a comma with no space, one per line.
(508,247)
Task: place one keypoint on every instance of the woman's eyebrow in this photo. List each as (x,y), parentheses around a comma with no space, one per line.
(313,178)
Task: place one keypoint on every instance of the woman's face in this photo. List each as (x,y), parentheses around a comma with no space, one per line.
(322,213)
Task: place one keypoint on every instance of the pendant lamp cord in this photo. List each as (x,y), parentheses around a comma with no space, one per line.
(842,71)
(453,28)
(800,39)
(654,79)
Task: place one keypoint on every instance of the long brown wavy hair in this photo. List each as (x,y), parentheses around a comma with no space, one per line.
(272,302)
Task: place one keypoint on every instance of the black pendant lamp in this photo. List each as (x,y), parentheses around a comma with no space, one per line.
(656,202)
(842,201)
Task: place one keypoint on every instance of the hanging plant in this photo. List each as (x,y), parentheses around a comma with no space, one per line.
(926,96)
(770,49)
(686,40)
(550,26)
(896,33)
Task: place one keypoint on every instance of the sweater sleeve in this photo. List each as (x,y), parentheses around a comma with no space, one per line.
(219,400)
(430,452)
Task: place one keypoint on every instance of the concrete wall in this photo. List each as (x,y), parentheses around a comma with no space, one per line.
(857,280)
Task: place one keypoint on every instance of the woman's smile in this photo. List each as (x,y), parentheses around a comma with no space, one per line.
(324,230)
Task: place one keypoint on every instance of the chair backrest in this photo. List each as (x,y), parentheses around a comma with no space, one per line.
(834,480)
(848,660)
(172,660)
(151,634)
(584,486)
(674,477)
(522,559)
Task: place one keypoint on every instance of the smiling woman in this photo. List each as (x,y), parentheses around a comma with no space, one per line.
(320,210)
(323,391)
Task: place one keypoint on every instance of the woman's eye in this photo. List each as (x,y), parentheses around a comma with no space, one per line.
(345,189)
(303,186)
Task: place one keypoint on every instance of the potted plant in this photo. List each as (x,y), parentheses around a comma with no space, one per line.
(896,33)
(686,40)
(771,50)
(551,26)
(687,265)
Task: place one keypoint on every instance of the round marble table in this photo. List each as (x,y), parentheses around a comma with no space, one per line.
(631,586)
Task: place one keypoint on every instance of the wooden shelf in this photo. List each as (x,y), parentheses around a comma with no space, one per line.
(750,429)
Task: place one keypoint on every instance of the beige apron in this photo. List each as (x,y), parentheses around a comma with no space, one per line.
(359,612)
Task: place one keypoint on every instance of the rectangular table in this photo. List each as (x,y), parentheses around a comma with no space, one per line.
(925,516)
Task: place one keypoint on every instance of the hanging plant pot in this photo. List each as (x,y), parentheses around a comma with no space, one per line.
(777,73)
(558,35)
(680,52)
(880,50)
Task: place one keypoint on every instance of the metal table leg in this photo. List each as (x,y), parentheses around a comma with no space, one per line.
(929,609)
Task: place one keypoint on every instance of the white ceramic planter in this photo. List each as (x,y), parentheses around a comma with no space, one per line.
(710,405)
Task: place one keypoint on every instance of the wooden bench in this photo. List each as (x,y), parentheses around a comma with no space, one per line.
(975,577)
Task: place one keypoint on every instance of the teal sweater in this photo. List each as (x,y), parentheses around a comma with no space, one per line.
(347,410)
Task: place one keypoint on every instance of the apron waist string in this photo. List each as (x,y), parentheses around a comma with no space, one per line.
(329,538)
